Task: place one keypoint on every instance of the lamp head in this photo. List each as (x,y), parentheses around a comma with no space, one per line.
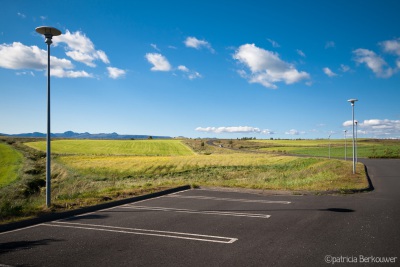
(352,101)
(48,32)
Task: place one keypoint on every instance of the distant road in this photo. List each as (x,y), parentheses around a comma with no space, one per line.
(205,227)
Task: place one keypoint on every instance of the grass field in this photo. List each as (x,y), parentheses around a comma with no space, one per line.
(366,148)
(86,172)
(10,164)
(116,147)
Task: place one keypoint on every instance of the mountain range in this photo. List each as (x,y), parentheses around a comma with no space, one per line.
(86,135)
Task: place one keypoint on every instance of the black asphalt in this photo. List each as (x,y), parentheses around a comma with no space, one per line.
(225,228)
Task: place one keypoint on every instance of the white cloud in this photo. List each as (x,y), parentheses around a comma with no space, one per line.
(274,43)
(328,72)
(378,127)
(62,73)
(292,132)
(81,48)
(160,63)
(155,47)
(233,129)
(115,73)
(194,75)
(191,75)
(198,44)
(391,46)
(266,67)
(373,62)
(21,15)
(19,56)
(301,53)
(183,68)
(25,73)
(344,68)
(329,44)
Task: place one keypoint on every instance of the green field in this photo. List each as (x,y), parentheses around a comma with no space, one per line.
(366,148)
(10,163)
(115,147)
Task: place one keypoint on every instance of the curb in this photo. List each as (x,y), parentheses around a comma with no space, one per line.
(80,211)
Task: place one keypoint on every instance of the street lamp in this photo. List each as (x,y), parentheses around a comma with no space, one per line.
(48,32)
(356,122)
(345,145)
(329,139)
(354,148)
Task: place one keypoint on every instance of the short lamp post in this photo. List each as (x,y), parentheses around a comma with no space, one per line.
(329,140)
(352,101)
(356,122)
(345,145)
(48,33)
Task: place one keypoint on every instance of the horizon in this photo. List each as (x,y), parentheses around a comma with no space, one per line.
(348,137)
(230,69)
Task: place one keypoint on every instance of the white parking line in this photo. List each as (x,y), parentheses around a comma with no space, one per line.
(226,213)
(232,199)
(135,231)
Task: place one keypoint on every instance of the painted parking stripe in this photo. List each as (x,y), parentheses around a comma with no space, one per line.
(136,231)
(209,212)
(233,199)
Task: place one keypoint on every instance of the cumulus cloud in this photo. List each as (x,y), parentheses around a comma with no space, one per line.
(374,62)
(80,48)
(194,75)
(183,68)
(115,73)
(62,73)
(328,72)
(160,63)
(293,132)
(391,46)
(190,74)
(77,45)
(377,127)
(233,129)
(266,67)
(19,56)
(198,44)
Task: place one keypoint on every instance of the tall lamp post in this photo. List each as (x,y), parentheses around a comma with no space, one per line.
(48,33)
(354,148)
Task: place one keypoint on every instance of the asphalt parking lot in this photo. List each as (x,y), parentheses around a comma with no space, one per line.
(207,227)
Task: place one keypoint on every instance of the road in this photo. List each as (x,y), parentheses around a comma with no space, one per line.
(205,227)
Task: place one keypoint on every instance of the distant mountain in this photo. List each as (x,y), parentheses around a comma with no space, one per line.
(86,135)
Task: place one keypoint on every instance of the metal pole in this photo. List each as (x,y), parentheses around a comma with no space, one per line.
(48,139)
(354,148)
(48,32)
(356,122)
(345,145)
(329,138)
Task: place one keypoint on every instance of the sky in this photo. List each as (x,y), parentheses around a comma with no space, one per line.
(224,69)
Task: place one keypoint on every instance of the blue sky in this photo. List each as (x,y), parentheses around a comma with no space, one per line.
(226,69)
